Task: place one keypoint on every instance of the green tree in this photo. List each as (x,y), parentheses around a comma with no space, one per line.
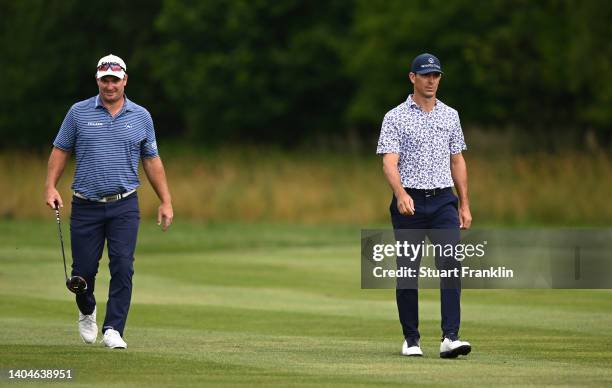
(255,70)
(542,66)
(50,50)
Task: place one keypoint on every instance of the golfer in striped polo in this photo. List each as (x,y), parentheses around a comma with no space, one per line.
(109,135)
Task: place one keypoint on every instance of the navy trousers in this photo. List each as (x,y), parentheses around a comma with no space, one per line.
(431,212)
(91,224)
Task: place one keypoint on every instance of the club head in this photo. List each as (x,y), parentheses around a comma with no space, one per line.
(76,284)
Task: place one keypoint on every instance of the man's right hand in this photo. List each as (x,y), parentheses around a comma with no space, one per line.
(53,197)
(57,162)
(405,204)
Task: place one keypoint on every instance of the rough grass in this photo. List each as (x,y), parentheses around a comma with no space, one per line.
(280,305)
(254,185)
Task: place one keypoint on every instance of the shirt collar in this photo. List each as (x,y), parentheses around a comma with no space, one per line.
(128,105)
(411,104)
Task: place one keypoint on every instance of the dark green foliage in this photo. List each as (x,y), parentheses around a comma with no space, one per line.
(287,72)
(49,54)
(542,65)
(255,70)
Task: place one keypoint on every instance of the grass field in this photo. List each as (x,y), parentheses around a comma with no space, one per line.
(228,305)
(260,185)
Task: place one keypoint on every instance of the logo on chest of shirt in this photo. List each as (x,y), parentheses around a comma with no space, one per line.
(94,124)
(128,126)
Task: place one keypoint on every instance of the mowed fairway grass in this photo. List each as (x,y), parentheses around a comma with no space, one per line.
(232,304)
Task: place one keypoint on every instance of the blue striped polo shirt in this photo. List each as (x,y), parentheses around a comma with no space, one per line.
(107,149)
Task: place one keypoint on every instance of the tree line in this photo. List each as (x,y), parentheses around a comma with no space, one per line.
(289,72)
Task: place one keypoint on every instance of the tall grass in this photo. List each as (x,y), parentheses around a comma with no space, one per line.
(252,185)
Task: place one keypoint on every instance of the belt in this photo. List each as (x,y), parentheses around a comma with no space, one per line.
(428,192)
(110,198)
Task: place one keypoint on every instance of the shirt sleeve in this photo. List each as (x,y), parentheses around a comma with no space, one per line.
(389,140)
(66,136)
(149,145)
(456,141)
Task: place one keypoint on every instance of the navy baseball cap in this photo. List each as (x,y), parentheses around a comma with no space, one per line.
(426,63)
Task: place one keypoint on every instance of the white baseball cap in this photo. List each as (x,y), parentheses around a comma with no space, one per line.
(115,71)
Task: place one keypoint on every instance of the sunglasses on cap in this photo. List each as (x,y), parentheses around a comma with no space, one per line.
(110,65)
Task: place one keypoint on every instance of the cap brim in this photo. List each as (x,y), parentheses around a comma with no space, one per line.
(118,74)
(427,71)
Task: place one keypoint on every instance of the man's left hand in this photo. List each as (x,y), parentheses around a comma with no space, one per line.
(465,217)
(165,215)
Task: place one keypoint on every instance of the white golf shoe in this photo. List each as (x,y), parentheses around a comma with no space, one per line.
(412,348)
(453,348)
(112,339)
(88,329)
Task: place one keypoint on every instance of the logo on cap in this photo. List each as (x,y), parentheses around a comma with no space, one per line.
(430,60)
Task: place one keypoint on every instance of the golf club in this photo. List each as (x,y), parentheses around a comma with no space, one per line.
(75,284)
